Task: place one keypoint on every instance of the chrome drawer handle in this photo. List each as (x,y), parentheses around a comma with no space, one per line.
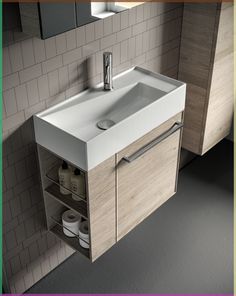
(176,126)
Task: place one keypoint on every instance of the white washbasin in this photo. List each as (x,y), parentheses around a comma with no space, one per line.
(141,100)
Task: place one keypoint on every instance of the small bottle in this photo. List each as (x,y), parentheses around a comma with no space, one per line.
(64,174)
(77,185)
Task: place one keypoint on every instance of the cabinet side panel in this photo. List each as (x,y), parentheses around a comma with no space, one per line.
(193,118)
(219,114)
(195,62)
(102,207)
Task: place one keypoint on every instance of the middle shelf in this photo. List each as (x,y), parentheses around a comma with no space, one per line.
(79,206)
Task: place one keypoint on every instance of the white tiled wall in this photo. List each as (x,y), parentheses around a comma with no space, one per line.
(38,74)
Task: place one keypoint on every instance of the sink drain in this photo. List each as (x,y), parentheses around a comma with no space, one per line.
(105,124)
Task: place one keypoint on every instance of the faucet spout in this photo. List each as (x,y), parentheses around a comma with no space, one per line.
(107,70)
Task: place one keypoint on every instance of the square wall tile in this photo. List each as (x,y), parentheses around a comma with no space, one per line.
(15,264)
(39,50)
(138,44)
(124,19)
(116,22)
(139,16)
(132,16)
(73,73)
(63,78)
(21,97)
(50,47)
(27,53)
(80,36)
(28,280)
(146,11)
(10,239)
(89,33)
(43,87)
(25,201)
(7,217)
(124,51)
(70,40)
(10,176)
(61,43)
(107,26)
(20,233)
(99,29)
(33,92)
(53,83)
(10,102)
(131,47)
(33,251)
(15,207)
(16,59)
(116,54)
(6,64)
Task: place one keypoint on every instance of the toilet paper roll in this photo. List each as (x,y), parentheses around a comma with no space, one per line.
(71,221)
(84,235)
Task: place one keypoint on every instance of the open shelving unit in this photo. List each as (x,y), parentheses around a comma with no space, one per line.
(57,203)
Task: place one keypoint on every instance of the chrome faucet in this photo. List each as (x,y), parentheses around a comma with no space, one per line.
(107,70)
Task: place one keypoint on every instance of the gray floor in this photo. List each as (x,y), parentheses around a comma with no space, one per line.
(186,246)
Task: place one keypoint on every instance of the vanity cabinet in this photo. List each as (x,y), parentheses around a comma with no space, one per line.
(120,192)
(45,20)
(206,65)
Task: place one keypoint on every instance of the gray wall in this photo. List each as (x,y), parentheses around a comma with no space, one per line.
(38,74)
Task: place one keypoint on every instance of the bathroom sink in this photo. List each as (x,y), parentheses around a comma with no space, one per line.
(94,125)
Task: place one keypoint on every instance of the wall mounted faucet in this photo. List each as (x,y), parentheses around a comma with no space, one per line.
(107,70)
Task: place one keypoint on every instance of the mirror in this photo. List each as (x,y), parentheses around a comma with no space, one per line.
(48,19)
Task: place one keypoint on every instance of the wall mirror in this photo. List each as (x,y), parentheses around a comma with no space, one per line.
(47,19)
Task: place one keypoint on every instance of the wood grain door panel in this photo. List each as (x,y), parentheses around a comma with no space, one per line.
(146,183)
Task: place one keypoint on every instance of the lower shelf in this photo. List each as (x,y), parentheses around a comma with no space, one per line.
(73,242)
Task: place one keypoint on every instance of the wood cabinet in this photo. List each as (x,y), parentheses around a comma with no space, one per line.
(45,20)
(120,192)
(206,65)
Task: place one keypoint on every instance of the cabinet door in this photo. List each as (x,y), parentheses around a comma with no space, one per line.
(56,18)
(147,182)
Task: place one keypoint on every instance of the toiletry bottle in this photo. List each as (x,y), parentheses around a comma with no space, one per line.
(64,174)
(77,185)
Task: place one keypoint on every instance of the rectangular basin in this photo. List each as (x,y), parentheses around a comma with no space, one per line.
(141,100)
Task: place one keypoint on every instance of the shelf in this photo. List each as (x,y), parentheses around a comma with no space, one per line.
(52,175)
(73,242)
(77,206)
